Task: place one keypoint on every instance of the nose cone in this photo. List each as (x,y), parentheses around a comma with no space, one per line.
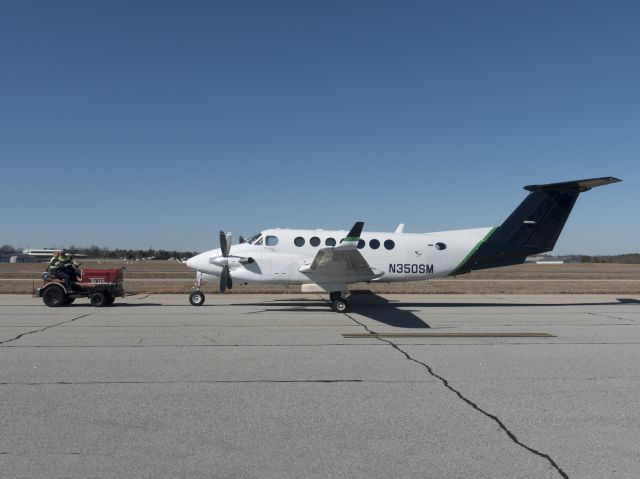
(197,262)
(202,262)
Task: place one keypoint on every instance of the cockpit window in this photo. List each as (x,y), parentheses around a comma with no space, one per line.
(271,241)
(255,238)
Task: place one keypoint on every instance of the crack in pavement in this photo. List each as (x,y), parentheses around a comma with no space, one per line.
(44,329)
(612,317)
(493,417)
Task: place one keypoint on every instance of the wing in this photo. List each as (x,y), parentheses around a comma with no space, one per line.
(343,262)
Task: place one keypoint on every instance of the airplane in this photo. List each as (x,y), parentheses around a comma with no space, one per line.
(328,261)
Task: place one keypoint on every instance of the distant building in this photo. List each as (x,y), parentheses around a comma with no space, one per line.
(545,260)
(46,254)
(16,258)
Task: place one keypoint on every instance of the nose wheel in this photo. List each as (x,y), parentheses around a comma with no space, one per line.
(196,298)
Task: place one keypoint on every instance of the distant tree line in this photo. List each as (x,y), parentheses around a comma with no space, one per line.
(107,253)
(132,254)
(630,258)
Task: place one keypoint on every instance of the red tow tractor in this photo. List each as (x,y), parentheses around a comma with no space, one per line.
(101,286)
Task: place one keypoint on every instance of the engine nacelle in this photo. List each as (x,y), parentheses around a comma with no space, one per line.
(231,261)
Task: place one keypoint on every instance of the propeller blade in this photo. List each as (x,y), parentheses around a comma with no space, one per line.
(225,243)
(224,279)
(241,239)
(229,242)
(229,282)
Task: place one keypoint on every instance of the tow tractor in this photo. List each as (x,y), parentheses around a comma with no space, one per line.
(101,286)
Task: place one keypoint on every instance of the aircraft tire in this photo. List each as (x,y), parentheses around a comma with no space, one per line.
(340,306)
(196,298)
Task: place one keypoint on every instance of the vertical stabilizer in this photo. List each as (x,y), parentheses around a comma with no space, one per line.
(533,227)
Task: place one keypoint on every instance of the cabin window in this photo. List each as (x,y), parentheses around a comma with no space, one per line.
(271,240)
(374,244)
(299,241)
(389,244)
(361,243)
(314,241)
(330,242)
(441,246)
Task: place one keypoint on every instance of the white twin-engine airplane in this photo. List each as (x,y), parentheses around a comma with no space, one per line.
(328,260)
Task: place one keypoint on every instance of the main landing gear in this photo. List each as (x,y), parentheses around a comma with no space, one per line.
(339,303)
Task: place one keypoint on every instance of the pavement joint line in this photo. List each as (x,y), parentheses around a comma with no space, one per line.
(44,329)
(445,382)
(317,345)
(447,335)
(216,381)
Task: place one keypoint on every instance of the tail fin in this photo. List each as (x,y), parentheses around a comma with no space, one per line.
(533,227)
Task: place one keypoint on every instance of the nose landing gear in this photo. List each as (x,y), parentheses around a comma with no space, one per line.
(196,298)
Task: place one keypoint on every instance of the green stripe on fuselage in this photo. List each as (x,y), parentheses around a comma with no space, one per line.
(473,251)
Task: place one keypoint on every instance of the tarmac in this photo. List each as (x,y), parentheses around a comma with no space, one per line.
(255,386)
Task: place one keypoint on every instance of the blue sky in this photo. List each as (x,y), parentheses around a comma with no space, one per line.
(155,124)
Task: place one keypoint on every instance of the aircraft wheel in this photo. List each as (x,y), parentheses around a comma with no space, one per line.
(196,298)
(340,305)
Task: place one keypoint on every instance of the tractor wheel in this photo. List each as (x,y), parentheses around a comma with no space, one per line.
(54,296)
(98,299)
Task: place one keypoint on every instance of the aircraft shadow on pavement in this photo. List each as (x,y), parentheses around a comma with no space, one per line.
(368,305)
(380,309)
(116,305)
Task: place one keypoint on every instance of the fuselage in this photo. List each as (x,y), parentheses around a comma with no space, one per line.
(279,254)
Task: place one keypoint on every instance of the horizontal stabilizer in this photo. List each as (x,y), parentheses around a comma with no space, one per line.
(577,185)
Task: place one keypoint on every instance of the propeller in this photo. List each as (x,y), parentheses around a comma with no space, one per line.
(225,276)
(223,261)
